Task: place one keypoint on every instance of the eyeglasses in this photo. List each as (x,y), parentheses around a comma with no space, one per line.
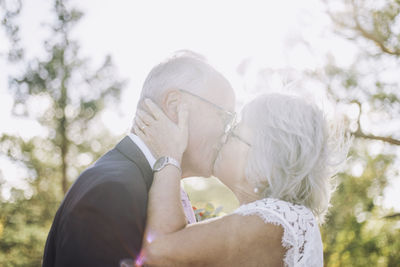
(229,117)
(233,134)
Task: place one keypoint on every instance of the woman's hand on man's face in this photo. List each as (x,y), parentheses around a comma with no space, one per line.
(161,135)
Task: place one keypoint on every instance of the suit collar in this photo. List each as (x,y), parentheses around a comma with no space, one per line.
(130,150)
(144,148)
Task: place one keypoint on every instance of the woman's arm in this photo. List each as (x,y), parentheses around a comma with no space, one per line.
(164,211)
(165,138)
(233,240)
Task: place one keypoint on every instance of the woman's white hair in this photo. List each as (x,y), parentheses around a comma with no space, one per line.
(185,70)
(294,154)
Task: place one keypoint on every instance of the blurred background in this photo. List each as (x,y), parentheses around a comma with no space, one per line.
(71,73)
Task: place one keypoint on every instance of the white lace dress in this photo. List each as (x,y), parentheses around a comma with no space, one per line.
(301,234)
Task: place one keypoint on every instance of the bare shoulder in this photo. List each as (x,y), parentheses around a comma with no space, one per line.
(252,241)
(245,224)
(255,231)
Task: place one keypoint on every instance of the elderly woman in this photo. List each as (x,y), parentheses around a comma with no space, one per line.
(279,162)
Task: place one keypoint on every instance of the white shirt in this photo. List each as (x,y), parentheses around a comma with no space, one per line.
(143,147)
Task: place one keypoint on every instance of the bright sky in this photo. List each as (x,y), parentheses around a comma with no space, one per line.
(139,34)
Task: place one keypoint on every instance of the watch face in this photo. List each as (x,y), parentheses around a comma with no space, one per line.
(160,163)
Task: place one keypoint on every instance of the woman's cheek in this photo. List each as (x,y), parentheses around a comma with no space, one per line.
(226,160)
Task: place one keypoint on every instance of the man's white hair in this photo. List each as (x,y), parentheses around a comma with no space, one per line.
(294,155)
(185,70)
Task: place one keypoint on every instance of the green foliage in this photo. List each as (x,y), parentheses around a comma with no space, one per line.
(9,11)
(356,232)
(72,94)
(65,97)
(26,216)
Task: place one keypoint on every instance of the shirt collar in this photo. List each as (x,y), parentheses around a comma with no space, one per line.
(144,148)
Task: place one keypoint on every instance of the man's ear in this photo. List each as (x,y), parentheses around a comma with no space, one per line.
(170,103)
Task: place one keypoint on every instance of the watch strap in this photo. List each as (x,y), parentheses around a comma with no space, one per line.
(164,161)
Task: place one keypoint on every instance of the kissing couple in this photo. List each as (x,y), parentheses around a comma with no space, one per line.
(128,208)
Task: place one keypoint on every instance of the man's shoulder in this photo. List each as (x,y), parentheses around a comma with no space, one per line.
(125,156)
(110,171)
(113,162)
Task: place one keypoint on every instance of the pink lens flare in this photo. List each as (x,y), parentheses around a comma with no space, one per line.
(140,259)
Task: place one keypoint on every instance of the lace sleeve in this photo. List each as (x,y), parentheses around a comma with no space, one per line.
(301,235)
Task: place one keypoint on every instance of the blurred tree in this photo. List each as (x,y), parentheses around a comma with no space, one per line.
(372,81)
(359,230)
(65,97)
(355,233)
(9,11)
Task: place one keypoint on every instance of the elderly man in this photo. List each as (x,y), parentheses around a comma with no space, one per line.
(102,218)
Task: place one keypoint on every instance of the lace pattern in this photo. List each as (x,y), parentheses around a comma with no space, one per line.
(301,236)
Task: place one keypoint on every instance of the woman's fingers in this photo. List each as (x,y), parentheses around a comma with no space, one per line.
(163,136)
(139,123)
(145,117)
(154,109)
(139,132)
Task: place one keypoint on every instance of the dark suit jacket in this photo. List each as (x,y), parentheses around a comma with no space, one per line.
(102,217)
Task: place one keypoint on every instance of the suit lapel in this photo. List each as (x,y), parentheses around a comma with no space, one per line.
(130,150)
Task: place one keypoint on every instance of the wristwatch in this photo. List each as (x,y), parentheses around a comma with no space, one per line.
(164,161)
